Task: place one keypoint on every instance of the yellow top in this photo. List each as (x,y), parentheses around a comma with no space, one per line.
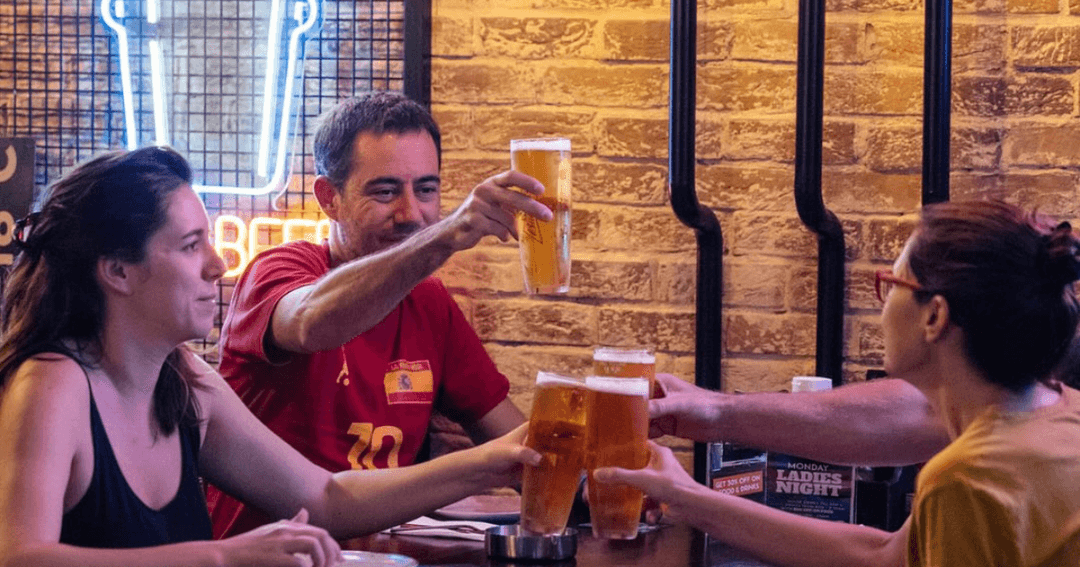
(1003,493)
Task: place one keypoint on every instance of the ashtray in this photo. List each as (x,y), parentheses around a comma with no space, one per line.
(511,542)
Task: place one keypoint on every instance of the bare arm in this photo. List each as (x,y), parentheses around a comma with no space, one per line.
(247,460)
(361,502)
(46,460)
(353,297)
(779,538)
(883,422)
(502,419)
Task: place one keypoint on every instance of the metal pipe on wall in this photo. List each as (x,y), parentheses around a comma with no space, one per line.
(937,91)
(809,81)
(710,240)
(417,51)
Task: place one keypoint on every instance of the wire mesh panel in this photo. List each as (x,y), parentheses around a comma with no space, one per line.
(216,80)
(61,83)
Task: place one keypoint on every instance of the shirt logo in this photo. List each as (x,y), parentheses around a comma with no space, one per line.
(343,376)
(409,382)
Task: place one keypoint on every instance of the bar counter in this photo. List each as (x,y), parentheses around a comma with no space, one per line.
(669,546)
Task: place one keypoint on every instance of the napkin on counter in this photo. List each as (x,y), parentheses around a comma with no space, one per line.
(430,527)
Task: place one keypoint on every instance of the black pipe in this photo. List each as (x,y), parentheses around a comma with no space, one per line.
(417,51)
(937,90)
(809,81)
(681,160)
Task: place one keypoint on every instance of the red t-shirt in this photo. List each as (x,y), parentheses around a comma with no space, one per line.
(365,404)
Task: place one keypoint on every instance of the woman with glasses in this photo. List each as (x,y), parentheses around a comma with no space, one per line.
(979,308)
(107,421)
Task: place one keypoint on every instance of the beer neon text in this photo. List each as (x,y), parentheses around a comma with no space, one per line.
(237,242)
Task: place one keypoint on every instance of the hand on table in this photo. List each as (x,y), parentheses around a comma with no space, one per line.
(286,543)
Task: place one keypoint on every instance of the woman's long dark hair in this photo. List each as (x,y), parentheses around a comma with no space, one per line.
(1008,278)
(107,207)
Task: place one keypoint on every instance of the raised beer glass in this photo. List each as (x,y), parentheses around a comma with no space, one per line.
(545,246)
(618,434)
(626,363)
(556,431)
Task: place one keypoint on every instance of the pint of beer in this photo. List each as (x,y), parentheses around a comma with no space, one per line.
(556,431)
(626,363)
(618,431)
(545,246)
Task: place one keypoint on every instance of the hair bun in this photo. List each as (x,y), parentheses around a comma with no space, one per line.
(1060,257)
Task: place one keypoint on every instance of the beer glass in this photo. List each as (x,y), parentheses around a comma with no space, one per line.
(557,432)
(626,363)
(618,431)
(545,246)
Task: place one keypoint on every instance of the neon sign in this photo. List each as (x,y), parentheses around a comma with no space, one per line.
(238,242)
(16,191)
(284,52)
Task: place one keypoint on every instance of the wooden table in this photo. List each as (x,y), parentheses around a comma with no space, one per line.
(670,546)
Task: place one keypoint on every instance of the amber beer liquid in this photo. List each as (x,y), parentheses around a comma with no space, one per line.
(545,246)
(626,363)
(556,431)
(618,431)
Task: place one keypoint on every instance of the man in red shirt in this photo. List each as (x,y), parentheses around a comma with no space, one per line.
(344,348)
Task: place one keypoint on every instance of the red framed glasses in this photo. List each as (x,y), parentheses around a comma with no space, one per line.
(884,281)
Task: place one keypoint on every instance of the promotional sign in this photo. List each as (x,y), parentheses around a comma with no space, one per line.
(785,482)
(16,190)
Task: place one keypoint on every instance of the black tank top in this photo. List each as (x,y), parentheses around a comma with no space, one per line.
(110,515)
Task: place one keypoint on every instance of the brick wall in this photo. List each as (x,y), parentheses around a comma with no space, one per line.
(596,71)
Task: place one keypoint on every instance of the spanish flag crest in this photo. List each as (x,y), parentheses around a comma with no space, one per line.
(409,382)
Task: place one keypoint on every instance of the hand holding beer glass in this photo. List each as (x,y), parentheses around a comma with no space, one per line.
(557,429)
(545,245)
(617,437)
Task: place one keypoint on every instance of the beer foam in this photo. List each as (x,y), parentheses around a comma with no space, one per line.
(549,144)
(553,378)
(613,385)
(638,356)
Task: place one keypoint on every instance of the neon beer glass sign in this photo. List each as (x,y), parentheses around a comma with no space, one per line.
(217,80)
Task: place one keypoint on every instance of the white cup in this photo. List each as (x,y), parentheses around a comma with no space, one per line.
(810,384)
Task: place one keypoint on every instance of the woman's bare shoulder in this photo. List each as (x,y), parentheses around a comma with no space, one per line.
(45,390)
(48,376)
(210,383)
(205,374)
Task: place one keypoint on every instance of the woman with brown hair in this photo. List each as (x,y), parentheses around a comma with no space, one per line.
(979,308)
(107,421)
